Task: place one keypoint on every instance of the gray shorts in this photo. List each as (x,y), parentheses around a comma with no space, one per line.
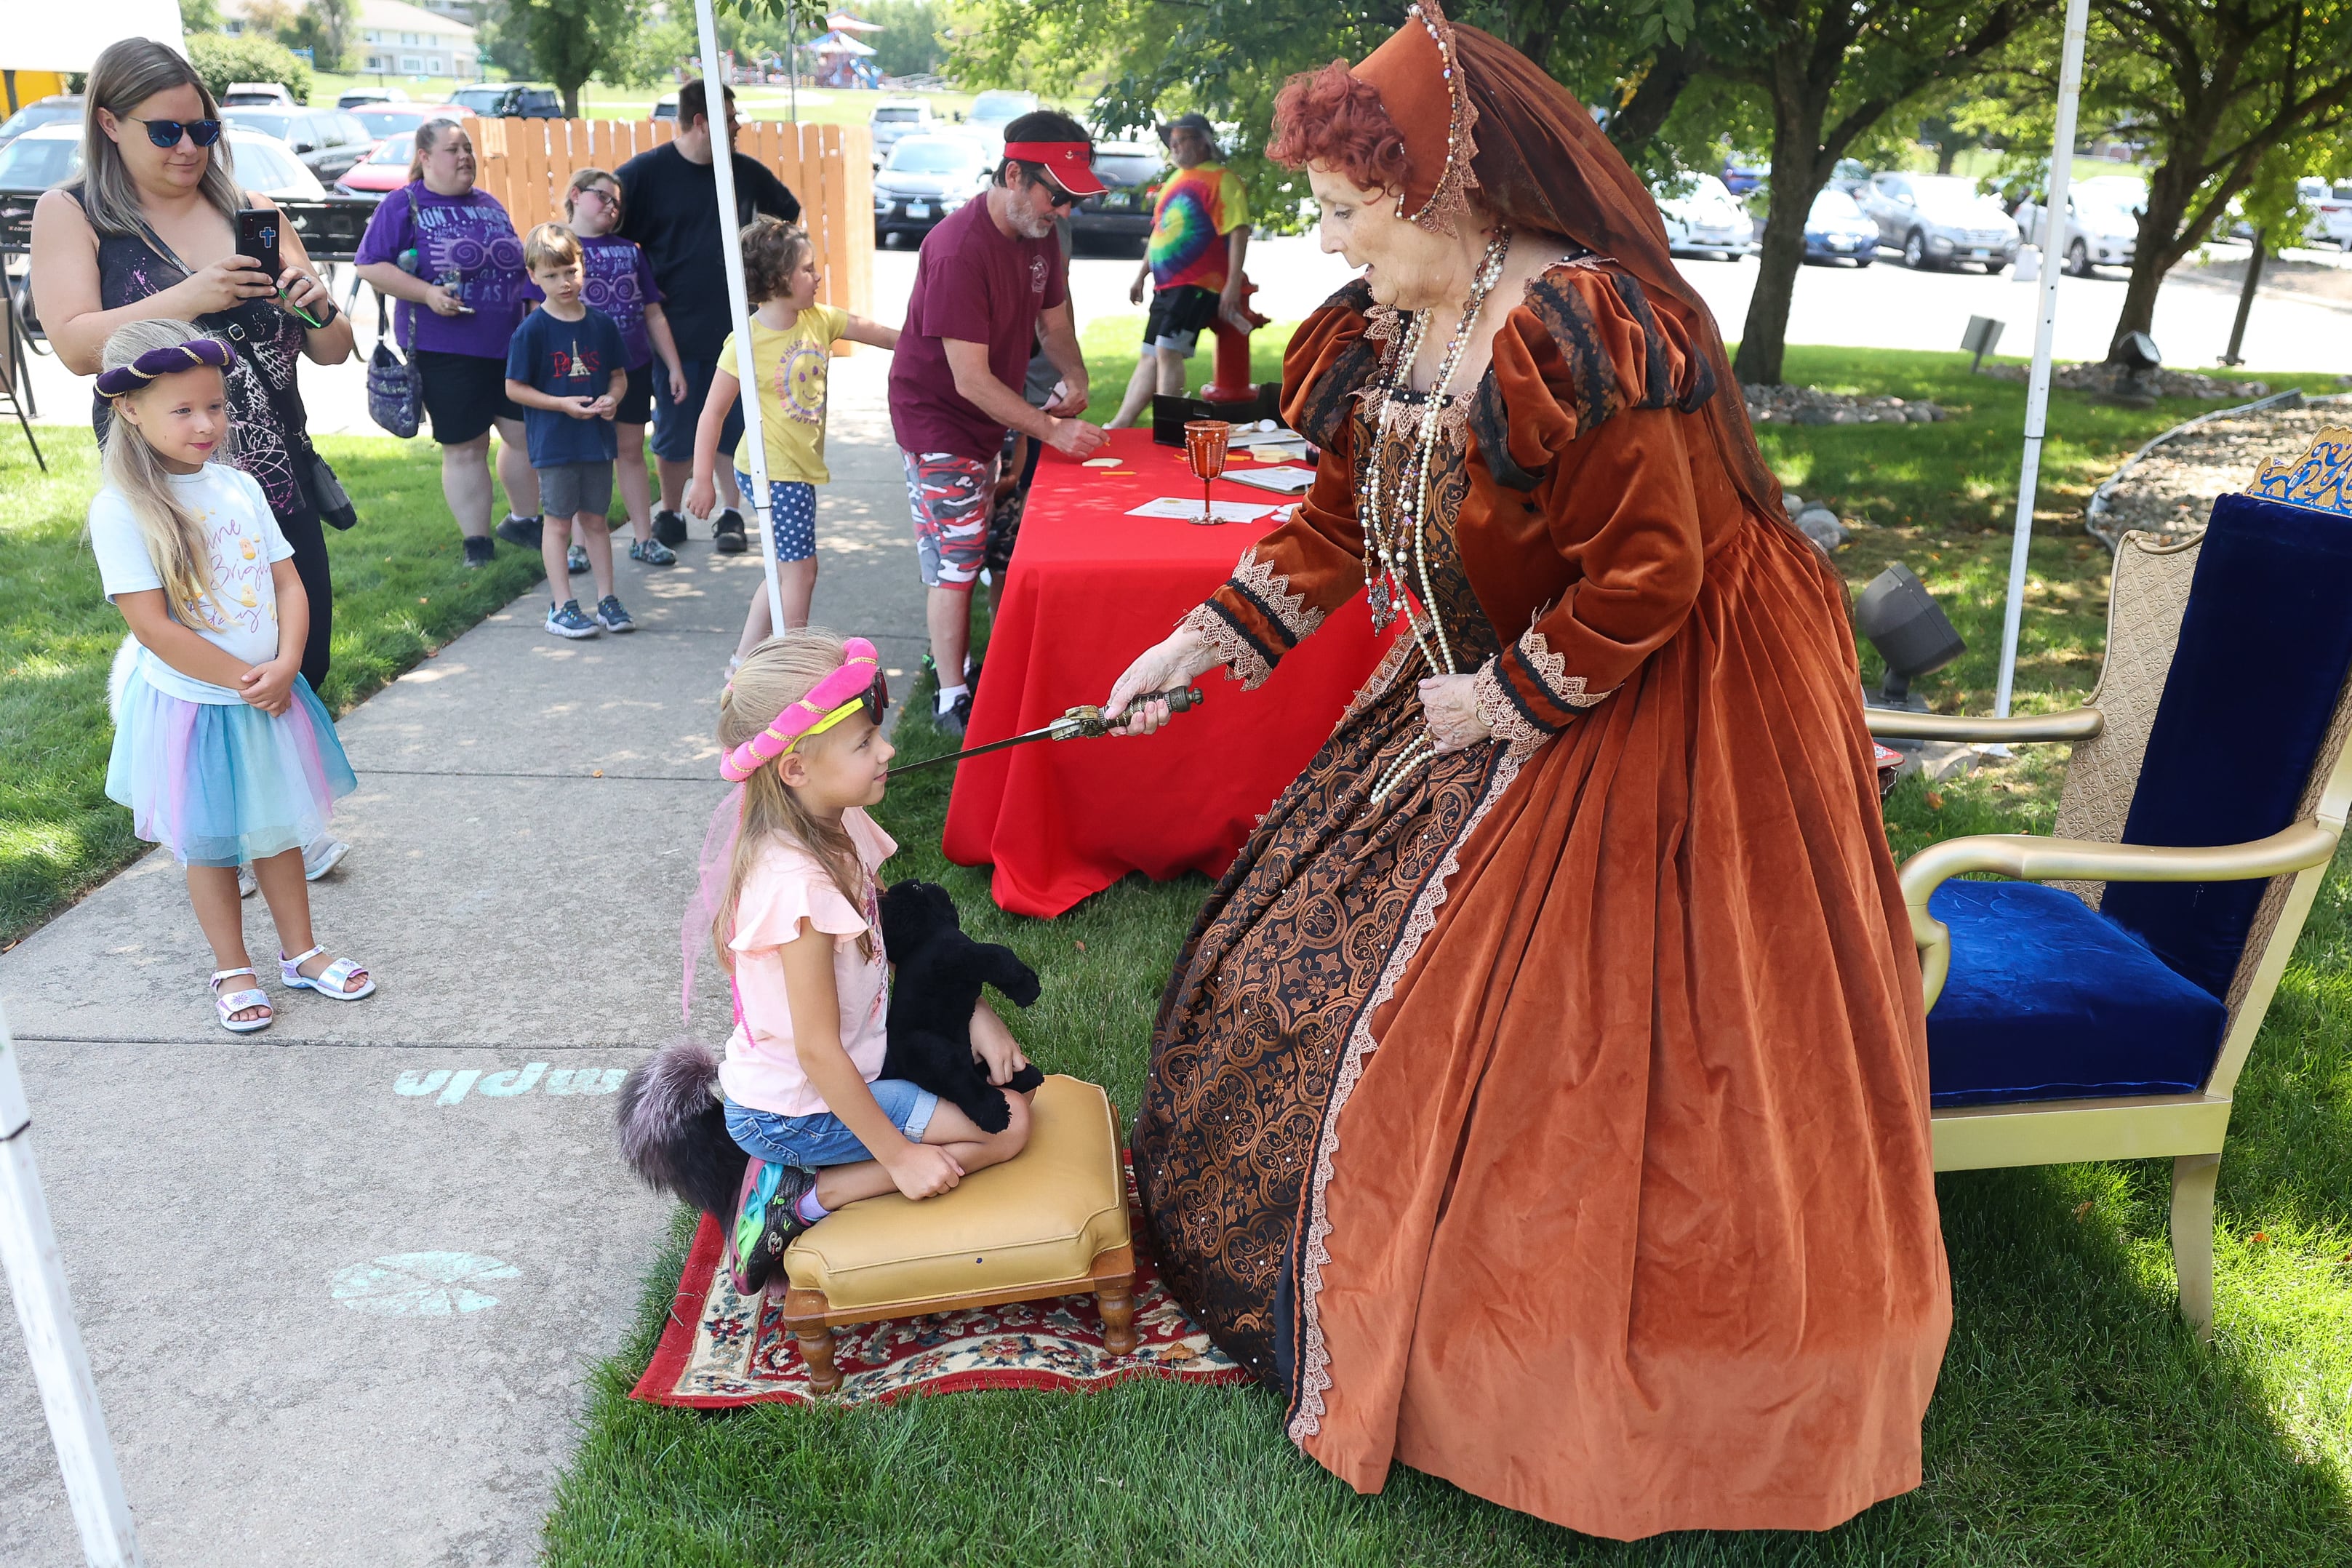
(568,489)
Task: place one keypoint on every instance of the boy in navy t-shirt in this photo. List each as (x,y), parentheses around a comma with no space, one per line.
(568,368)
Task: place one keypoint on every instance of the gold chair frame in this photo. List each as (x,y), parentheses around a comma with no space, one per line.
(2150,592)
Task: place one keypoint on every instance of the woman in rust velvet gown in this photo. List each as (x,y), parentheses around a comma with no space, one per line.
(1540,1100)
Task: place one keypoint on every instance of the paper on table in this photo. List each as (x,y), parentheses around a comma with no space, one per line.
(1260,438)
(1285,481)
(1188,510)
(1102,462)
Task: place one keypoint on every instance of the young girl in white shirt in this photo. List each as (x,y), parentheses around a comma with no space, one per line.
(799,928)
(222,752)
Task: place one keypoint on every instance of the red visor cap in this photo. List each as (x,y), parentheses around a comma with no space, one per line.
(1071,164)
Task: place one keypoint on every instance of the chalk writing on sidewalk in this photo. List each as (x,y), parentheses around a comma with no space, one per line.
(452,1085)
(420,1284)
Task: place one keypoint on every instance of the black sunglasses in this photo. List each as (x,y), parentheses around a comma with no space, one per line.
(1054,193)
(166,133)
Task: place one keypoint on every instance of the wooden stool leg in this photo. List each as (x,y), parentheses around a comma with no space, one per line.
(816,1349)
(805,1312)
(1116,1298)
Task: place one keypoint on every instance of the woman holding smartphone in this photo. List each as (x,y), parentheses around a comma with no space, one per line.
(150,231)
(450,254)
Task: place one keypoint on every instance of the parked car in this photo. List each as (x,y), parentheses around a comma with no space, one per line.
(388,120)
(993,111)
(245,93)
(328,140)
(51,156)
(2331,213)
(382,171)
(895,118)
(926,178)
(49,111)
(509,100)
(1702,218)
(666,107)
(1836,231)
(2100,231)
(1742,173)
(361,97)
(1850,174)
(1940,220)
(1122,215)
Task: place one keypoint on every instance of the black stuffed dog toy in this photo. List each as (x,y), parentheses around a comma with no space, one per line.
(940,972)
(673,1122)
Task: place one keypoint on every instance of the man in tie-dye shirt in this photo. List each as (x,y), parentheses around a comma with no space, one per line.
(1199,234)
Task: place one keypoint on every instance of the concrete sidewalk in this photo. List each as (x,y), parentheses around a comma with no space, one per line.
(342,1281)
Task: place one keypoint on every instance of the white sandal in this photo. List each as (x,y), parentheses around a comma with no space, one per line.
(237,1001)
(328,982)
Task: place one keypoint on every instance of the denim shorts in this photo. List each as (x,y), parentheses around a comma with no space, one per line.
(823,1139)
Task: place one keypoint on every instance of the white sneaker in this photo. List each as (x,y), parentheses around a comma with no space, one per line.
(246,886)
(322,855)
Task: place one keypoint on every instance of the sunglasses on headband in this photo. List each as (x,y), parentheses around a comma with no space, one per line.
(166,133)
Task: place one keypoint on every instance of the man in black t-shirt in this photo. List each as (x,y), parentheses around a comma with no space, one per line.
(669,205)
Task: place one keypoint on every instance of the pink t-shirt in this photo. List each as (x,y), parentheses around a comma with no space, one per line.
(785,886)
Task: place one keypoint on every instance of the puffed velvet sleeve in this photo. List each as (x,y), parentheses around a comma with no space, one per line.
(1585,413)
(1288,581)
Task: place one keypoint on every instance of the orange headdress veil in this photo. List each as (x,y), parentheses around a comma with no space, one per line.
(1477,116)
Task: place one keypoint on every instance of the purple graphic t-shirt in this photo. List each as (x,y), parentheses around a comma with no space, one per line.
(620,284)
(466,244)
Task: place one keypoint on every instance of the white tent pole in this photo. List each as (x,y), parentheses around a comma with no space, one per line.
(37,1276)
(2037,387)
(739,306)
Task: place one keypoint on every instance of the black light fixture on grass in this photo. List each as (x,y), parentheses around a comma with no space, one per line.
(1909,630)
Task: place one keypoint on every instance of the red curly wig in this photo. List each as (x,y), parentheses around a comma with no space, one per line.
(1333,118)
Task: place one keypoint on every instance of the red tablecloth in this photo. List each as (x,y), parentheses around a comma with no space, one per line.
(1090,588)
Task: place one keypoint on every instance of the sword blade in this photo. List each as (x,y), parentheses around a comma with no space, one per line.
(1044,734)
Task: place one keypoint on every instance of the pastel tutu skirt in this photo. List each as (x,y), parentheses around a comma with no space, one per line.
(222,784)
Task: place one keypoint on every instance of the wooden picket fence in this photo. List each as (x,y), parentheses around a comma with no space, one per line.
(528,164)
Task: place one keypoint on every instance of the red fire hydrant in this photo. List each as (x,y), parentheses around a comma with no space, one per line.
(1232,382)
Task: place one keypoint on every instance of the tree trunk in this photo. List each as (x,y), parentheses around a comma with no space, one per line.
(570,99)
(1945,151)
(1796,149)
(2160,245)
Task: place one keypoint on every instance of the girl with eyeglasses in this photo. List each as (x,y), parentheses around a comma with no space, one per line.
(149,232)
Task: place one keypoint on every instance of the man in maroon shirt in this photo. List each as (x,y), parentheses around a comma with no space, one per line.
(988,277)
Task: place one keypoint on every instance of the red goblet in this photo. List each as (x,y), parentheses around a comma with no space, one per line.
(1204,450)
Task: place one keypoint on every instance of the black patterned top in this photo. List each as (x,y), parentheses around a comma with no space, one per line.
(268,424)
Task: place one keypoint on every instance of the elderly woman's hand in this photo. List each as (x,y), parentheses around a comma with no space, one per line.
(1450,703)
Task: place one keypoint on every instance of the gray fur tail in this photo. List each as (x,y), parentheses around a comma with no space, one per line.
(673,1127)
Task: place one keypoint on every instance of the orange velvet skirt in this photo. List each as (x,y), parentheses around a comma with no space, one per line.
(1557,1124)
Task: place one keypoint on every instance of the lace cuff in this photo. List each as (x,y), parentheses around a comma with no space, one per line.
(1534,682)
(1501,715)
(1241,657)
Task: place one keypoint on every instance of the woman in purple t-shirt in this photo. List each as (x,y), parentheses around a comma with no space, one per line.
(448,253)
(620,284)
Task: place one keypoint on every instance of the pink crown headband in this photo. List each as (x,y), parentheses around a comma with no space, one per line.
(828,702)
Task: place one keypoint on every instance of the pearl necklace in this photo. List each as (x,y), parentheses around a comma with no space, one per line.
(1396,508)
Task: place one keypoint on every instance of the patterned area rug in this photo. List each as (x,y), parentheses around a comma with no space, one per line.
(720,1349)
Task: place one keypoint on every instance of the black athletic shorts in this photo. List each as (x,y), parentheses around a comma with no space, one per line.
(637,402)
(463,393)
(1178,317)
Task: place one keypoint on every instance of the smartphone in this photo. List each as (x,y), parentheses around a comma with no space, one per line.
(257,236)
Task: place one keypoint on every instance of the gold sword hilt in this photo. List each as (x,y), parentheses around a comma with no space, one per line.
(1086,721)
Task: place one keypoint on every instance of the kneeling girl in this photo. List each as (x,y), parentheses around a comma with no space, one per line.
(799,929)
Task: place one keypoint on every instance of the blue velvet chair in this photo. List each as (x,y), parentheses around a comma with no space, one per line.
(2100,1004)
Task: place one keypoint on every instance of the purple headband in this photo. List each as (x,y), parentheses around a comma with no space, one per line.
(131,377)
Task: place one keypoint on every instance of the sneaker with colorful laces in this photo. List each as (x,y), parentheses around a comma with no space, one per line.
(566,621)
(767,1222)
(653,553)
(612,617)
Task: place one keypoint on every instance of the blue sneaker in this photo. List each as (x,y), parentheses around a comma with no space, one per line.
(612,617)
(653,553)
(575,560)
(566,621)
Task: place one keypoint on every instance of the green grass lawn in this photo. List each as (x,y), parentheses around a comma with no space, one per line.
(400,589)
(2076,1420)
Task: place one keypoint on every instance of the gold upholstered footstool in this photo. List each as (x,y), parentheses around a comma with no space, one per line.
(1050,1222)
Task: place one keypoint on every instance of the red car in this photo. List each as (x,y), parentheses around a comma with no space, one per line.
(386,169)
